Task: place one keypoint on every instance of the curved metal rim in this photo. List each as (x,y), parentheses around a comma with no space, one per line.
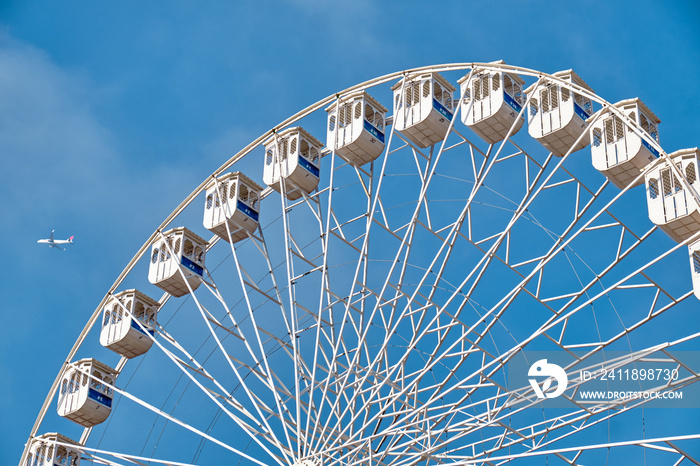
(319,105)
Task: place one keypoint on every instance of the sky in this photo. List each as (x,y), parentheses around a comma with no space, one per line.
(112,112)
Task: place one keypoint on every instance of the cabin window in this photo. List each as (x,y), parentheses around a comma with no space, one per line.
(283,150)
(584,103)
(437,92)
(314,156)
(690,173)
(341,117)
(666,185)
(653,188)
(198,254)
(696,261)
(154,257)
(188,249)
(597,137)
(632,116)
(268,157)
(331,123)
(224,190)
(369,114)
(293,146)
(176,249)
(565,94)
(210,201)
(379,121)
(619,128)
(397,102)
(358,110)
(481,87)
(243,193)
(609,136)
(348,114)
(496,81)
(232,191)
(304,149)
(426,89)
(533,107)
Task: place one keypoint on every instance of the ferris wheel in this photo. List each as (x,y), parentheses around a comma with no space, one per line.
(448,275)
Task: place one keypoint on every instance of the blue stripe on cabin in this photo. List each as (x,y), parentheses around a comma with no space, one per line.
(309,166)
(135,325)
(580,112)
(651,148)
(188,264)
(441,109)
(374,131)
(99,397)
(247,210)
(512,103)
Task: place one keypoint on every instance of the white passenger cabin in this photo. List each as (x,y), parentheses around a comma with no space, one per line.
(180,253)
(83,396)
(491,105)
(356,128)
(292,156)
(423,108)
(121,316)
(694,252)
(671,206)
(44,451)
(557,116)
(617,151)
(240,207)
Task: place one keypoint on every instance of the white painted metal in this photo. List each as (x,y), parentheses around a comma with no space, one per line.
(423,108)
(53,449)
(127,320)
(355,128)
(240,207)
(558,114)
(497,105)
(292,155)
(617,151)
(188,250)
(85,396)
(672,206)
(365,324)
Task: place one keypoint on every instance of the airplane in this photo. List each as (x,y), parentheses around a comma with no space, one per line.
(54,242)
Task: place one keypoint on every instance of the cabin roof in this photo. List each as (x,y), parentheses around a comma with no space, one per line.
(567,75)
(102,367)
(239,175)
(188,233)
(514,76)
(644,108)
(435,75)
(350,97)
(141,296)
(289,131)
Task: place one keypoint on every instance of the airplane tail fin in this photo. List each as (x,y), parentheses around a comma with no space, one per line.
(70,240)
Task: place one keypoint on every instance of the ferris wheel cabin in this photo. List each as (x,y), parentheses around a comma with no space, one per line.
(232,199)
(83,397)
(671,206)
(491,105)
(557,116)
(45,451)
(129,323)
(292,162)
(617,151)
(423,108)
(177,260)
(356,128)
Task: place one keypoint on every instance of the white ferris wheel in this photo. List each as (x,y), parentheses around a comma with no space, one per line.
(371,299)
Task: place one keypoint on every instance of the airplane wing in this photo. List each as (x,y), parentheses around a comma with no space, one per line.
(51,237)
(54,246)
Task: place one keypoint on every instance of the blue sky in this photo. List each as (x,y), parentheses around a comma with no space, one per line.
(112,112)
